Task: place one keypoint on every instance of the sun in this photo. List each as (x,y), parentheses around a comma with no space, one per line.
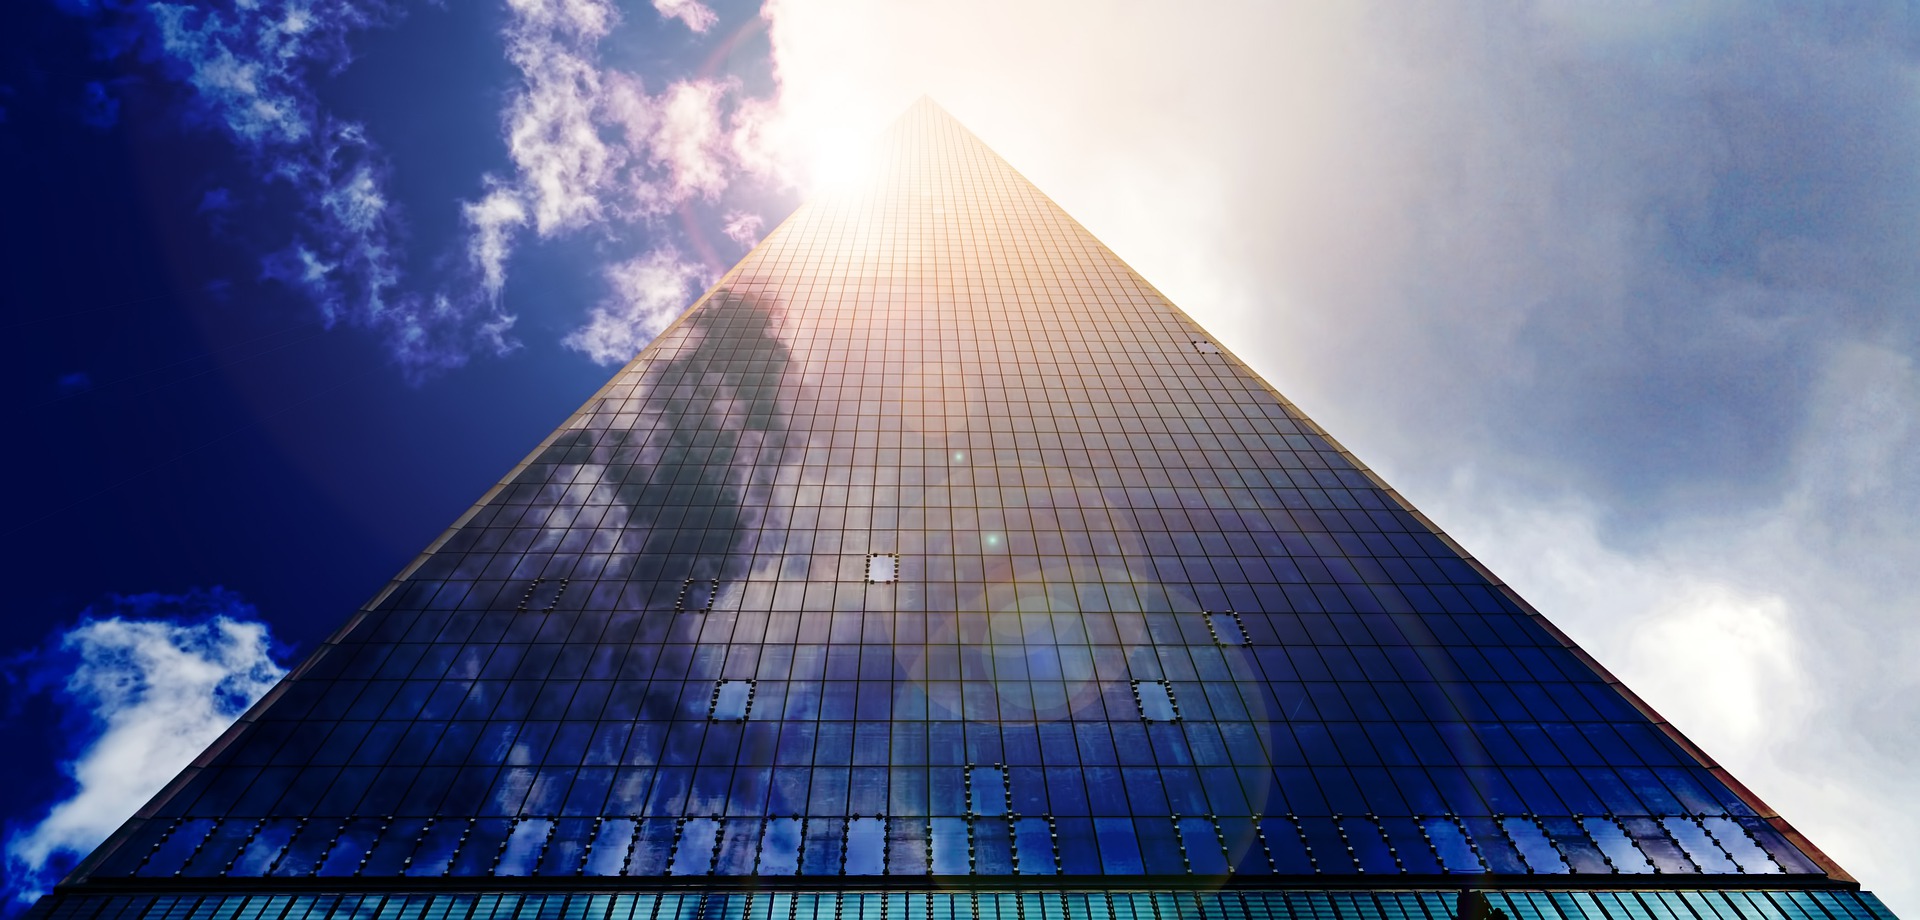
(841,156)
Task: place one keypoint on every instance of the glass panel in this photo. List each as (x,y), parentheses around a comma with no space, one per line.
(1155,699)
(610,847)
(731,699)
(780,847)
(1226,629)
(1535,848)
(866,847)
(1613,843)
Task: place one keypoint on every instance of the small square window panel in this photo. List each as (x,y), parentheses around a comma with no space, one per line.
(987,790)
(1156,700)
(1226,629)
(543,594)
(883,568)
(1205,347)
(731,700)
(696,594)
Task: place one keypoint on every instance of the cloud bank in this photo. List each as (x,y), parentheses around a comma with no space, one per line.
(150,680)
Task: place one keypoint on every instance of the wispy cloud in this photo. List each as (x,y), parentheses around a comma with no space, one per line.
(743,228)
(250,68)
(696,15)
(592,148)
(154,678)
(648,292)
(595,150)
(690,143)
(491,224)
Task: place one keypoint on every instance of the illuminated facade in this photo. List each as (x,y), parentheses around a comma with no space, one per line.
(934,565)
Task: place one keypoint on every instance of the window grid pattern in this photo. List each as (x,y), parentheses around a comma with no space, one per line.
(943,368)
(1757,904)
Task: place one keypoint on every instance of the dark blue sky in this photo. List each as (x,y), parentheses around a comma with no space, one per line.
(181,421)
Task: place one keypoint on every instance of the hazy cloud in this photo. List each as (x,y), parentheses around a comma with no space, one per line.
(694,14)
(648,292)
(743,228)
(154,679)
(690,143)
(491,223)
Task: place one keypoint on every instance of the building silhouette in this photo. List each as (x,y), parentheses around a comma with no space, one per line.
(933,564)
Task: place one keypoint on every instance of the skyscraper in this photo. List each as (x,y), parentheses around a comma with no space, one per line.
(934,564)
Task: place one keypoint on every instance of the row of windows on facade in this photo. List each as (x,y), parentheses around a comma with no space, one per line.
(1429,681)
(743,774)
(616,517)
(804,768)
(506,768)
(1043,538)
(797,723)
(1106,904)
(960,598)
(580,476)
(1081,452)
(490,789)
(981,560)
(991,398)
(1149,564)
(905,694)
(1399,647)
(836,346)
(969,376)
(391,724)
(882,845)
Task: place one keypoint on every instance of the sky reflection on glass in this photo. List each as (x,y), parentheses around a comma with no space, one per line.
(934,541)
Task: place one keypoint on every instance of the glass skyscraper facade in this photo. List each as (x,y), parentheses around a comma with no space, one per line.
(934,565)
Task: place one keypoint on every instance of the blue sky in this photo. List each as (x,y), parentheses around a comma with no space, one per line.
(1624,297)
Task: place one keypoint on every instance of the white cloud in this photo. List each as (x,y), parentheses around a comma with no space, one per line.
(690,142)
(693,13)
(762,144)
(561,159)
(156,692)
(491,222)
(743,228)
(648,292)
(594,150)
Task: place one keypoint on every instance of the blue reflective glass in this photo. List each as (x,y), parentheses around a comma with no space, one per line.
(929,543)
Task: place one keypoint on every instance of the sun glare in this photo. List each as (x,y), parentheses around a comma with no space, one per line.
(841,157)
